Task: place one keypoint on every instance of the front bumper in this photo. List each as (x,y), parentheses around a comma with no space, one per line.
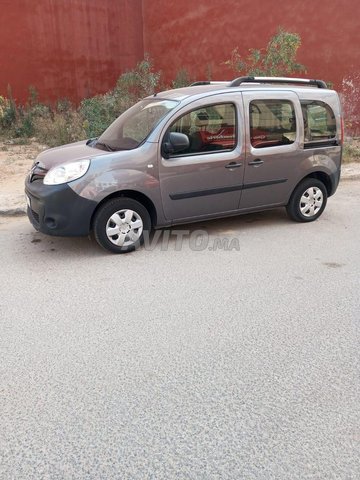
(58,210)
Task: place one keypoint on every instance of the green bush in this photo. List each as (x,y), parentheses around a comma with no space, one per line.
(278,59)
(64,123)
(24,125)
(8,112)
(182,79)
(100,111)
(136,84)
(60,130)
(97,113)
(18,121)
(351,152)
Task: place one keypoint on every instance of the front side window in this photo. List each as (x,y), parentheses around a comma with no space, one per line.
(133,127)
(210,129)
(319,121)
(272,123)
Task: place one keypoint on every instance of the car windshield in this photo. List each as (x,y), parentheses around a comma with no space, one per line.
(133,127)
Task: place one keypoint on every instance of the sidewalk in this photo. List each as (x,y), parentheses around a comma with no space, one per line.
(12,199)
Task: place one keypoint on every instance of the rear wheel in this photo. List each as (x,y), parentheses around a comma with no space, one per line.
(307,201)
(120,223)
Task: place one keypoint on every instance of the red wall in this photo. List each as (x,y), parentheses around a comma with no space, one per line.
(195,34)
(76,48)
(67,48)
(200,35)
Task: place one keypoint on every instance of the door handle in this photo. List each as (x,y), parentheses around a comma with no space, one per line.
(233,165)
(256,162)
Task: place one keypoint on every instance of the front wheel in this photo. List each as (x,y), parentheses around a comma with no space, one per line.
(120,223)
(307,201)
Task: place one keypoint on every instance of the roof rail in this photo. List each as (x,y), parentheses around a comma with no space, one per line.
(303,81)
(207,82)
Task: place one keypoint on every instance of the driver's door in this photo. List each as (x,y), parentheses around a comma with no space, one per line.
(206,178)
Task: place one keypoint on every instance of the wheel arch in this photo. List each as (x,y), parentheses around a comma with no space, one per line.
(134,195)
(324,177)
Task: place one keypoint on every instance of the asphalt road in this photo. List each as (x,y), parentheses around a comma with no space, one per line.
(184,364)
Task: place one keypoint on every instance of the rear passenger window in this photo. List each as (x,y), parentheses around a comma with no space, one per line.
(319,121)
(272,123)
(210,129)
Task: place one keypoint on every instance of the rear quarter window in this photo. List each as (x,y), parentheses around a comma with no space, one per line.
(319,122)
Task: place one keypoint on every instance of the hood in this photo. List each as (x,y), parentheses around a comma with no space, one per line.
(67,153)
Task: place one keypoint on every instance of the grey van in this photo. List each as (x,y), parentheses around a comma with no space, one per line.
(210,150)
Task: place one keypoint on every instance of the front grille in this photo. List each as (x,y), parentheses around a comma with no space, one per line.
(34,217)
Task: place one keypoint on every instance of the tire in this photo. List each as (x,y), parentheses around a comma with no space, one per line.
(307,201)
(120,223)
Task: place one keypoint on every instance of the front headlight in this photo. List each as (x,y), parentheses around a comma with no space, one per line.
(66,173)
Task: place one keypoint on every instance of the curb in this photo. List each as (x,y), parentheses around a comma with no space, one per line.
(12,212)
(354,176)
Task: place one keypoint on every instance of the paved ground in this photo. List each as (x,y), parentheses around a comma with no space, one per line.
(184,364)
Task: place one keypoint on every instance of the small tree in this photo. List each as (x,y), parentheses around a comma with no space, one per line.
(276,60)
(136,84)
(99,111)
(182,79)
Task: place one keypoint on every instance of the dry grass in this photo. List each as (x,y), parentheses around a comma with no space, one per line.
(351,151)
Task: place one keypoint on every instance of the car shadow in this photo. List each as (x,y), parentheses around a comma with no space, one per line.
(229,227)
(237,223)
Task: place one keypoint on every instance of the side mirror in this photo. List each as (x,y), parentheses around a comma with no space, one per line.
(174,143)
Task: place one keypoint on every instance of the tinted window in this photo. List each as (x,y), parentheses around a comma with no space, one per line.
(319,121)
(210,129)
(272,123)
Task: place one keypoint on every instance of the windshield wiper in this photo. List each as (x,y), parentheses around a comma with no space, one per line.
(108,148)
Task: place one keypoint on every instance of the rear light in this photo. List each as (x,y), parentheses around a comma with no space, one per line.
(341,130)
